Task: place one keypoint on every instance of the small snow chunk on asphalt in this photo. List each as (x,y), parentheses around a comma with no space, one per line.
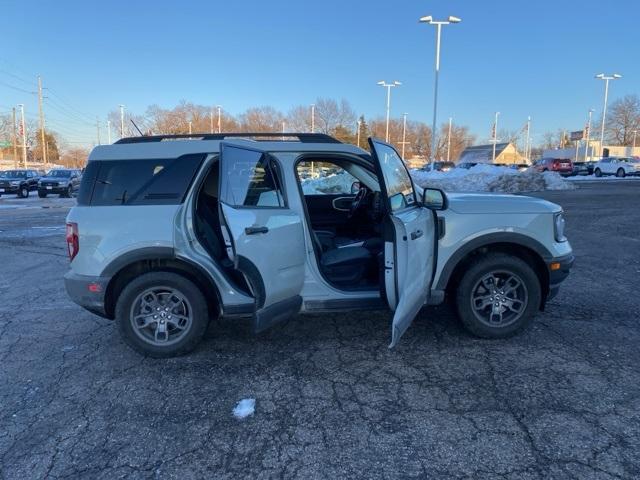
(244,408)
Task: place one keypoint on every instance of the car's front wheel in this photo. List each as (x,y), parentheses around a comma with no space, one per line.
(598,172)
(162,314)
(498,295)
(620,173)
(23,192)
(68,192)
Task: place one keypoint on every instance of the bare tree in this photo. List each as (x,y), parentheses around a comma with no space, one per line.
(623,118)
(330,114)
(299,119)
(261,119)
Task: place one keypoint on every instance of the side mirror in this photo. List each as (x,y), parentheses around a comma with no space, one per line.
(355,187)
(434,199)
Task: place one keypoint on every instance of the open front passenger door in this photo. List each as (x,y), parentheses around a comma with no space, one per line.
(263,236)
(410,236)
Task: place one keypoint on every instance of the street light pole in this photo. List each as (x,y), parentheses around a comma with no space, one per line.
(495,136)
(438,23)
(588,133)
(388,86)
(606,78)
(313,119)
(24,136)
(634,140)
(109,131)
(190,130)
(404,132)
(121,121)
(449,140)
(219,119)
(358,135)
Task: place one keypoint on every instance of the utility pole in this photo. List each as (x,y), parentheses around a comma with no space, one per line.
(313,121)
(109,131)
(24,136)
(495,136)
(43,145)
(449,141)
(121,121)
(219,119)
(588,133)
(14,137)
(98,129)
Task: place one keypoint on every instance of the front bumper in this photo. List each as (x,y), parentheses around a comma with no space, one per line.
(9,189)
(87,291)
(559,269)
(54,190)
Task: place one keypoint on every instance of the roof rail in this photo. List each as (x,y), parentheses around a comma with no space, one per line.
(272,136)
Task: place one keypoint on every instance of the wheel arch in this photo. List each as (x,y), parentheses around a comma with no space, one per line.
(160,260)
(527,249)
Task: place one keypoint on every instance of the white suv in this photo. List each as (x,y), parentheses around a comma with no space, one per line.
(171,231)
(618,166)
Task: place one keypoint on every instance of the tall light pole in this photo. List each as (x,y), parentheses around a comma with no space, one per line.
(449,140)
(109,131)
(634,140)
(313,119)
(388,86)
(404,132)
(219,118)
(588,133)
(438,23)
(495,136)
(359,123)
(121,121)
(211,121)
(190,125)
(606,78)
(24,135)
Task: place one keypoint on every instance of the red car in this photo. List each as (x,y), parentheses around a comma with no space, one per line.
(560,165)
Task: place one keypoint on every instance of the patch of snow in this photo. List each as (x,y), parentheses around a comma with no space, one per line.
(244,408)
(490,178)
(336,183)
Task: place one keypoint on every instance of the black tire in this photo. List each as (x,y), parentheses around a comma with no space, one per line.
(598,172)
(23,192)
(479,269)
(42,194)
(68,193)
(198,304)
(620,173)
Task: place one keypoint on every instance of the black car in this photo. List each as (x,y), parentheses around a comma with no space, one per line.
(466,165)
(59,181)
(20,182)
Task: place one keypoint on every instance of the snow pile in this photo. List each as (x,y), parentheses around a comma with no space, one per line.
(489,178)
(244,408)
(336,183)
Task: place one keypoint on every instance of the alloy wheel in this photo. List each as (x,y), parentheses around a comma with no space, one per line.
(499,298)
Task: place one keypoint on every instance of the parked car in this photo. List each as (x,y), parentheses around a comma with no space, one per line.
(521,167)
(618,166)
(168,234)
(64,182)
(19,182)
(580,168)
(466,165)
(562,166)
(439,166)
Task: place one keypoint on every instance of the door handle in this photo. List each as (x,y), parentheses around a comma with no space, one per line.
(255,230)
(417,234)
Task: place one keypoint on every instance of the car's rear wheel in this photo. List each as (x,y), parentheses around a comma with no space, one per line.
(498,296)
(67,193)
(162,314)
(23,192)
(620,173)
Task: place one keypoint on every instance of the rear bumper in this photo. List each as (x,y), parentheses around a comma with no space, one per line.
(87,291)
(559,274)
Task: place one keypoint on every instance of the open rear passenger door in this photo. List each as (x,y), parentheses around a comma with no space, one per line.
(410,236)
(263,236)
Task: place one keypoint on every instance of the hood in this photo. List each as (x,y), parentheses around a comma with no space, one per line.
(55,179)
(499,203)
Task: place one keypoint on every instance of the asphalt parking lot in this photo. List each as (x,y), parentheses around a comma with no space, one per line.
(561,400)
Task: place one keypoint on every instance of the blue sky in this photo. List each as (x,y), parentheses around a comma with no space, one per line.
(533,58)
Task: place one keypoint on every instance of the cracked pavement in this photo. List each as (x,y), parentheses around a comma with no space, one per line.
(561,400)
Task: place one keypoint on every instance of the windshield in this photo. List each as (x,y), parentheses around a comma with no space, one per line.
(14,174)
(59,173)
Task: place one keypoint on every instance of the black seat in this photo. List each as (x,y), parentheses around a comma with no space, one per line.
(343,265)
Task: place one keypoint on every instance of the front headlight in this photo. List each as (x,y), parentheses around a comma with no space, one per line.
(558,227)
(15,184)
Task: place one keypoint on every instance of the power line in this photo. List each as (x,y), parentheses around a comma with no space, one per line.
(16,88)
(69,105)
(17,77)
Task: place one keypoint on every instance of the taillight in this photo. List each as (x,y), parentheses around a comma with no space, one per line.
(73,241)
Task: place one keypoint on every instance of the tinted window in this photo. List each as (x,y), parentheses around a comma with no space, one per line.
(396,177)
(139,182)
(250,179)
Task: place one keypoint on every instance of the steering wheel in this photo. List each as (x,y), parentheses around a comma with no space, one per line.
(358,201)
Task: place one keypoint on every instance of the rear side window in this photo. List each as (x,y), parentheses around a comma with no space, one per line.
(250,179)
(138,182)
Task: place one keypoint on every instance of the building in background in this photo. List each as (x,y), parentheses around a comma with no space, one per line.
(506,153)
(593,152)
